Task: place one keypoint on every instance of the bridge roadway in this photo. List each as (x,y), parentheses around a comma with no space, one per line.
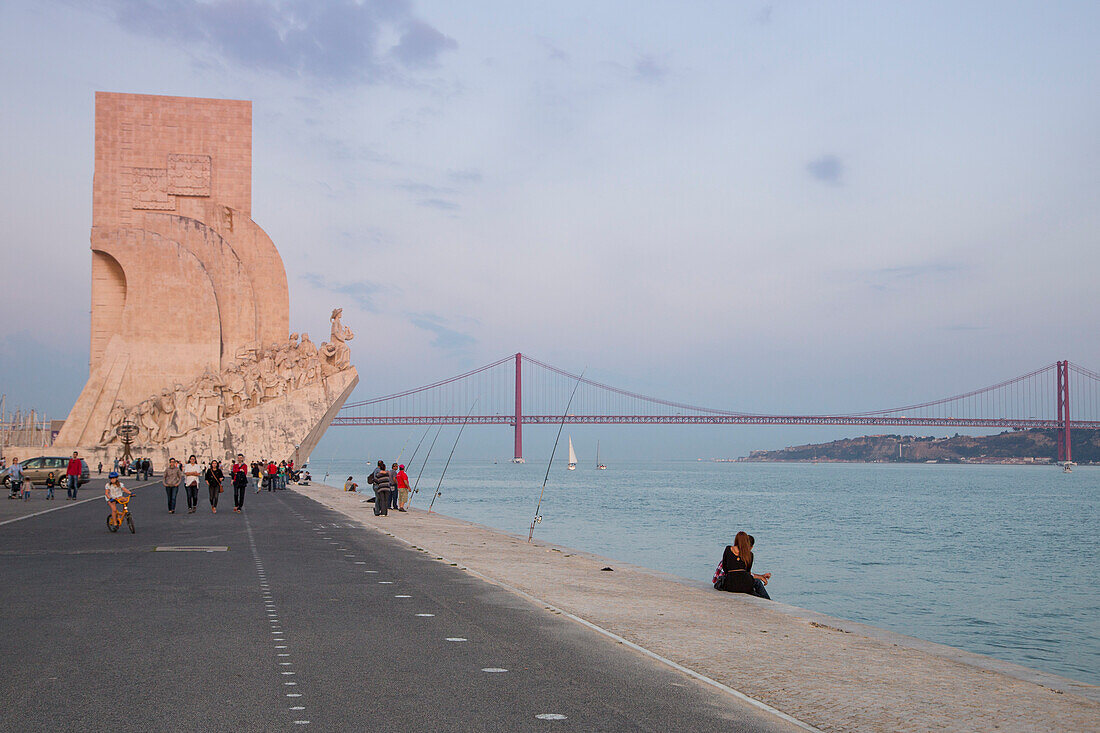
(304,621)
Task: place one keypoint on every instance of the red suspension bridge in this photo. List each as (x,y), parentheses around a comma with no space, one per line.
(508,394)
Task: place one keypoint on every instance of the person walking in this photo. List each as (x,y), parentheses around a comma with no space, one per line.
(402,481)
(15,478)
(382,483)
(214,478)
(173,477)
(272,474)
(256,474)
(239,472)
(191,474)
(99,470)
(282,475)
(72,474)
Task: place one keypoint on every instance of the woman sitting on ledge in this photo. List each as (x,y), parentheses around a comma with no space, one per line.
(737,575)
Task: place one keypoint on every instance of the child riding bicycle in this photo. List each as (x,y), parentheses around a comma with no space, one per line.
(112,492)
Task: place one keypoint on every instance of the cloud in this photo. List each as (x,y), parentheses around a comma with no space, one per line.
(424,189)
(441,204)
(827,169)
(361,292)
(648,69)
(335,40)
(343,151)
(894,278)
(764,17)
(464,176)
(552,51)
(445,337)
(421,45)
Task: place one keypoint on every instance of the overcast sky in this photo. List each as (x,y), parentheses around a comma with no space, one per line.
(760,206)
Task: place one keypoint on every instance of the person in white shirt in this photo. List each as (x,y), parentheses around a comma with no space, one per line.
(192,471)
(112,492)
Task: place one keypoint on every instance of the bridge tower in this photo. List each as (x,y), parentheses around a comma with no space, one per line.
(518,453)
(1064,452)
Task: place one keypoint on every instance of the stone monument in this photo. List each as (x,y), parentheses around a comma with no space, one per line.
(190,335)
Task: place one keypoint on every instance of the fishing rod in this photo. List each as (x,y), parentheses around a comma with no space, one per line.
(405,445)
(417,448)
(416,489)
(538,517)
(437,492)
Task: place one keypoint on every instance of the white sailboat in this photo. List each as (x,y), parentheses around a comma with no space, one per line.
(599,466)
(572,456)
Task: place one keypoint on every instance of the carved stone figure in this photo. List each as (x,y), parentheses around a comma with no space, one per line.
(335,354)
(258,375)
(118,414)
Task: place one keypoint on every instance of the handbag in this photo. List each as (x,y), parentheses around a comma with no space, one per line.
(719,576)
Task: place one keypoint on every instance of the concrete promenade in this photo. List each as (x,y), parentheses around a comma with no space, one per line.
(291,616)
(832,674)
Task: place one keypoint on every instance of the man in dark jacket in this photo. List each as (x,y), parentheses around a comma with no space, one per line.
(382,483)
(240,482)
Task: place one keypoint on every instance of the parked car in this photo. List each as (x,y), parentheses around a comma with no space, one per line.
(37,469)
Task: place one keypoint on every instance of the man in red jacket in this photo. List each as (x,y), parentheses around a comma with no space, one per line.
(272,474)
(72,474)
(402,480)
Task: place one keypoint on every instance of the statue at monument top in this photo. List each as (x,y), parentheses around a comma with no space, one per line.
(335,354)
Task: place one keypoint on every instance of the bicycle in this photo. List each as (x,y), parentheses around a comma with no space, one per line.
(124,515)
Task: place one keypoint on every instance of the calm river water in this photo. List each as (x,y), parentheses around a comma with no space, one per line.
(999,560)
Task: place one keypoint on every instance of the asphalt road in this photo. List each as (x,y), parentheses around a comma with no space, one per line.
(305,620)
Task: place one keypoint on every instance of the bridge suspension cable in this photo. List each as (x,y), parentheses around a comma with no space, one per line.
(518,389)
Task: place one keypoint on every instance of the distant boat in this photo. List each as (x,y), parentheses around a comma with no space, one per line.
(518,460)
(1067,467)
(572,456)
(599,466)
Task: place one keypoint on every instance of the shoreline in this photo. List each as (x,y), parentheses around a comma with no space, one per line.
(828,672)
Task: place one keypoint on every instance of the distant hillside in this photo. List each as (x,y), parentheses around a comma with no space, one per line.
(1014,446)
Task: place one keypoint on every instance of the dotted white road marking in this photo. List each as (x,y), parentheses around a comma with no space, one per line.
(278,636)
(385,582)
(455,638)
(550,716)
(402,596)
(426,615)
(493,669)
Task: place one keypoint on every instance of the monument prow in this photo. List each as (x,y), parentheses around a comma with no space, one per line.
(190,313)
